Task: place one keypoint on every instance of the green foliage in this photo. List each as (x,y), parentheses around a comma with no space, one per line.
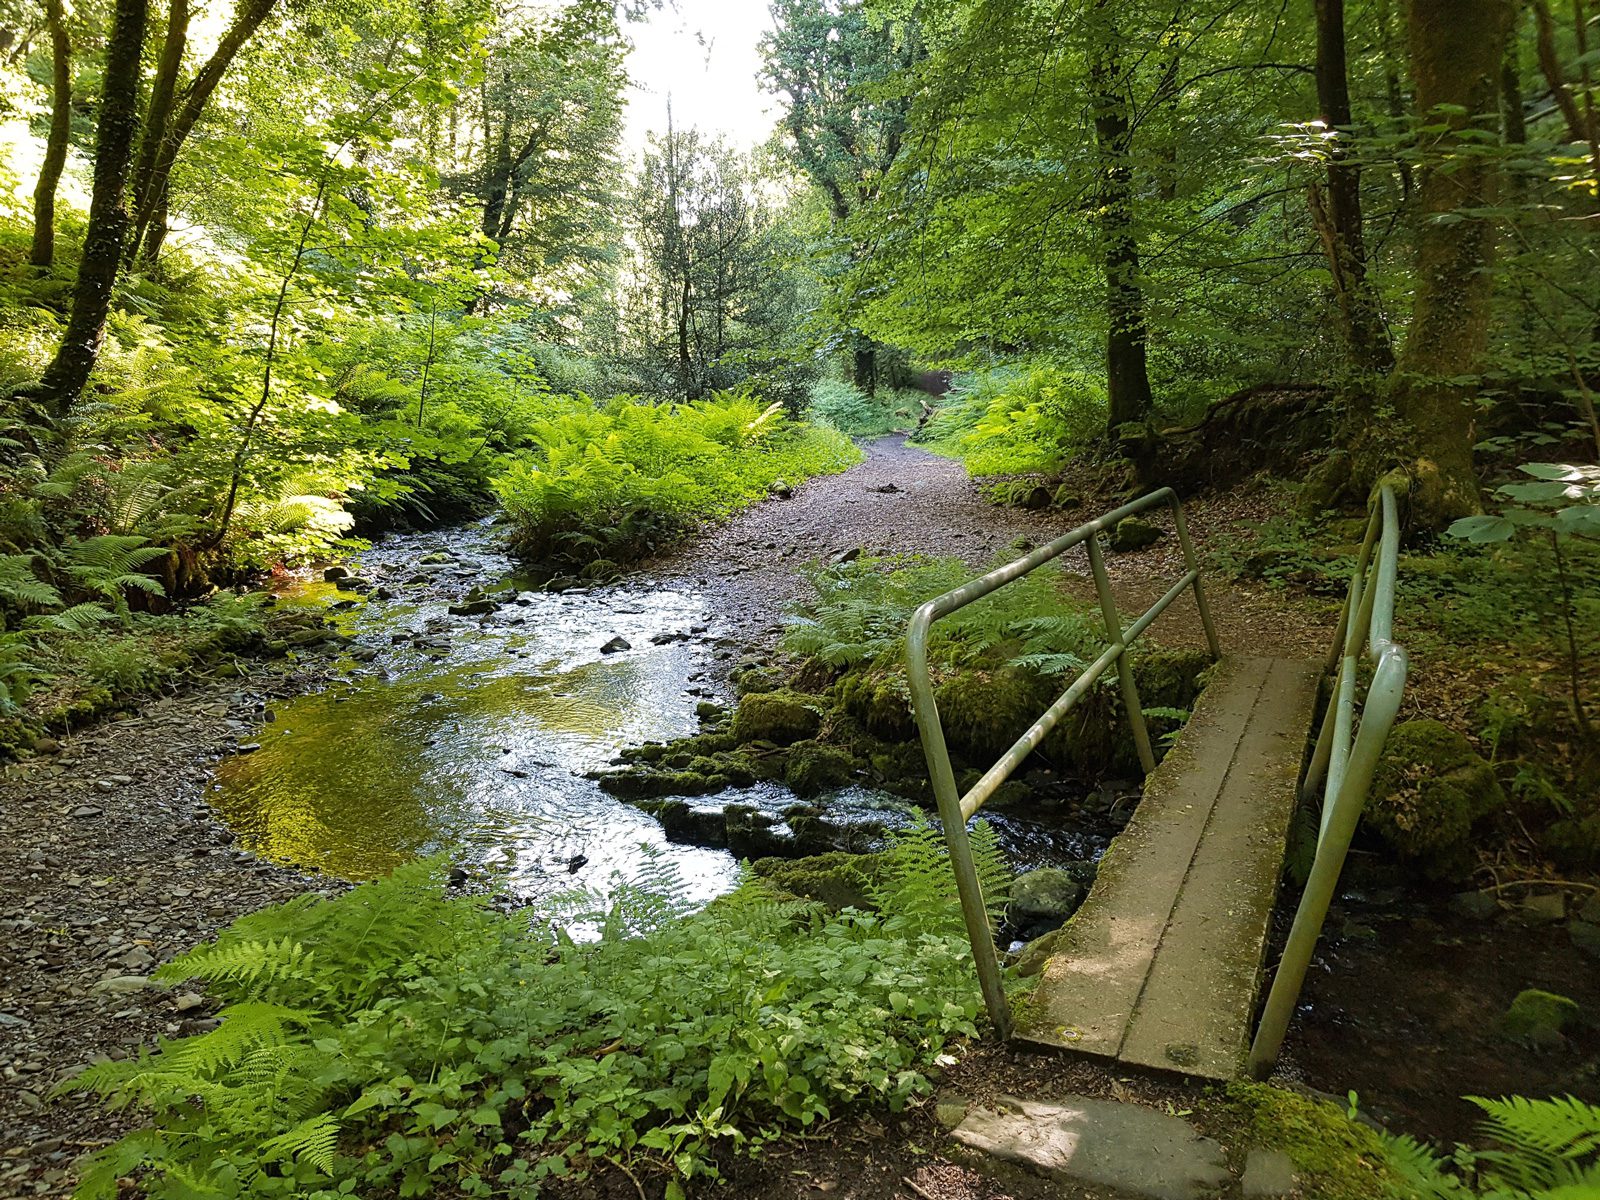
(611,483)
(861,608)
(1541,1150)
(391,1040)
(845,407)
(1010,420)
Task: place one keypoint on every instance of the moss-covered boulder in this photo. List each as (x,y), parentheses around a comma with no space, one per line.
(1575,841)
(881,704)
(782,718)
(756,680)
(838,880)
(1045,899)
(1538,1017)
(813,768)
(1431,787)
(1133,534)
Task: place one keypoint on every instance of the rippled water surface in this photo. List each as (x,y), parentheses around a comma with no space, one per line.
(472,734)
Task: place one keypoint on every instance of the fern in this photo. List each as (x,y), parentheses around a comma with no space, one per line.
(110,565)
(1545,1150)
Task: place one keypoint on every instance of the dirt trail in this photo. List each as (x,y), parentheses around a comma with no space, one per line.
(904,500)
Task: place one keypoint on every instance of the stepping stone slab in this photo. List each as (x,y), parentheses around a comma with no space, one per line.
(1267,1174)
(1102,1143)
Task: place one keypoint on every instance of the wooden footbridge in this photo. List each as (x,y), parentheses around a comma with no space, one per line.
(1163,966)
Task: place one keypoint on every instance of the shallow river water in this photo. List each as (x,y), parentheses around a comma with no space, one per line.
(472,736)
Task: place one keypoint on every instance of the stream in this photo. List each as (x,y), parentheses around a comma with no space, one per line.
(471,733)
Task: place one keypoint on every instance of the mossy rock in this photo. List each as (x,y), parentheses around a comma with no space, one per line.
(755,681)
(1575,841)
(782,718)
(837,879)
(881,704)
(813,769)
(1045,899)
(1538,1017)
(1431,787)
(1133,534)
(1335,1157)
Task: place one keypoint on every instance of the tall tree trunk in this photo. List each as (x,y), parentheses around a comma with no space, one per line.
(163,93)
(864,365)
(1337,211)
(151,196)
(1127,371)
(68,372)
(43,251)
(1457,47)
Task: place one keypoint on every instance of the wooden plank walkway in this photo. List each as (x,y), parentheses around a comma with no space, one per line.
(1161,965)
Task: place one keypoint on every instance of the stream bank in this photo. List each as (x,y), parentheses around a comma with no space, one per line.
(426,704)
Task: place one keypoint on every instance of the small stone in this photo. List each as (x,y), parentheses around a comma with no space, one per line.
(335,574)
(119,984)
(473,608)
(85,811)
(1475,906)
(1267,1173)
(104,785)
(46,745)
(616,646)
(1585,937)
(1544,909)
(187,1002)
(247,748)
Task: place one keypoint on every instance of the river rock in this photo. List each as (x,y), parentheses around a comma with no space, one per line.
(335,574)
(616,645)
(1043,900)
(1538,1017)
(84,811)
(473,608)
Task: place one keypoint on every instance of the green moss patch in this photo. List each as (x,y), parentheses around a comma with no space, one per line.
(1431,787)
(1335,1157)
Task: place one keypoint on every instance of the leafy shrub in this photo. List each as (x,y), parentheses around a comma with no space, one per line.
(610,484)
(1012,420)
(845,407)
(860,612)
(391,1041)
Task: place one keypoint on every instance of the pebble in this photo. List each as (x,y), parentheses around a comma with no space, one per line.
(84,811)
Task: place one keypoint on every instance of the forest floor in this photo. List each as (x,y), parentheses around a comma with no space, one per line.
(114,861)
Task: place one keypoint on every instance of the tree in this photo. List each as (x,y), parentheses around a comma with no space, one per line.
(1457,47)
(712,298)
(109,218)
(838,68)
(42,252)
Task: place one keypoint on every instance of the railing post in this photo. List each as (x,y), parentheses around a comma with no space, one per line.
(1130,690)
(941,775)
(1192,564)
(1342,816)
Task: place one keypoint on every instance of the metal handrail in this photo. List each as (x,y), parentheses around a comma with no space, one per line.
(1343,763)
(955,810)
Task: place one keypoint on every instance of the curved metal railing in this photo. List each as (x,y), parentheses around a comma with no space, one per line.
(1343,762)
(955,809)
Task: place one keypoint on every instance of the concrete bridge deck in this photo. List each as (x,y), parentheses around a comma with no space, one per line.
(1162,965)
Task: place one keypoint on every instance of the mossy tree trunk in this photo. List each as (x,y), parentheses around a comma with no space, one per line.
(1127,369)
(109,218)
(42,253)
(1457,48)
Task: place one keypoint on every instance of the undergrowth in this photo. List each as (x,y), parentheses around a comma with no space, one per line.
(1539,1150)
(608,485)
(395,1041)
(845,407)
(1015,420)
(860,610)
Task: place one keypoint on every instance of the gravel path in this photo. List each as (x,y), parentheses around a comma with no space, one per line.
(112,863)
